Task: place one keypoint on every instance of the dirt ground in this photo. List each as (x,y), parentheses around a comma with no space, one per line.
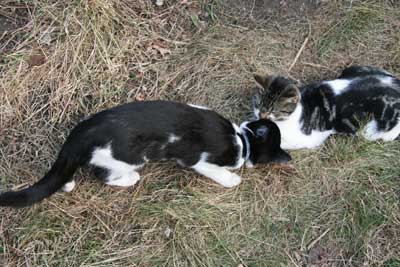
(63,60)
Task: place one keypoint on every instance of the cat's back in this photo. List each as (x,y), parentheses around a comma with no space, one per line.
(364,80)
(359,87)
(153,111)
(153,116)
(364,88)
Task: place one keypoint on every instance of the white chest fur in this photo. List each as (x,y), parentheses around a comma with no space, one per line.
(292,136)
(240,160)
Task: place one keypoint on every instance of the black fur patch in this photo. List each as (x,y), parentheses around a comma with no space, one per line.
(265,140)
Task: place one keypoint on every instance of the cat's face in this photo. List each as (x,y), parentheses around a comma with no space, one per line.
(265,142)
(275,97)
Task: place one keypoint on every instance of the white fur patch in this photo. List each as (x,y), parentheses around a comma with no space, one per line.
(249,164)
(243,127)
(371,132)
(172,138)
(120,173)
(240,160)
(236,128)
(239,142)
(126,180)
(292,136)
(216,173)
(386,81)
(199,107)
(256,112)
(68,187)
(338,86)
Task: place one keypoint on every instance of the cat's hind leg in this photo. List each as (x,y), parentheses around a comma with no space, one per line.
(113,171)
(372,131)
(216,173)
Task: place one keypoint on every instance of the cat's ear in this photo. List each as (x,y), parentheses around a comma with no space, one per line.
(263,82)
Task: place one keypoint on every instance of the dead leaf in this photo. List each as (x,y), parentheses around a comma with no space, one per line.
(158,47)
(138,74)
(135,75)
(36,60)
(163,51)
(140,96)
(285,168)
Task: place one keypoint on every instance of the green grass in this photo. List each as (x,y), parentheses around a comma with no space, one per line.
(392,263)
(346,31)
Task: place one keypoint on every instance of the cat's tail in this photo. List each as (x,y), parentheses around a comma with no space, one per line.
(60,173)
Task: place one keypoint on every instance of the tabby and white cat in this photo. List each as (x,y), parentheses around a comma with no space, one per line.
(306,116)
(118,141)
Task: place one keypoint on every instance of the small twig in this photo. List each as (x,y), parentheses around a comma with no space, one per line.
(298,53)
(6,14)
(318,66)
(64,211)
(252,9)
(301,48)
(312,244)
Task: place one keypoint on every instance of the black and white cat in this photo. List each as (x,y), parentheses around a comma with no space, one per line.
(118,141)
(306,116)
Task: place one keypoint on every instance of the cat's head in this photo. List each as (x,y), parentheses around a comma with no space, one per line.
(265,142)
(275,97)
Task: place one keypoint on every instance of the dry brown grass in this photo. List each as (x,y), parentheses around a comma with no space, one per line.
(336,206)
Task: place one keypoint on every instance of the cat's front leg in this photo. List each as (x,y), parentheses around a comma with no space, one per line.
(217,173)
(249,164)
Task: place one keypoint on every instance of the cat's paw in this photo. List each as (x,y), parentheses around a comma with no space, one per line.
(370,131)
(249,164)
(232,181)
(68,187)
(127,180)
